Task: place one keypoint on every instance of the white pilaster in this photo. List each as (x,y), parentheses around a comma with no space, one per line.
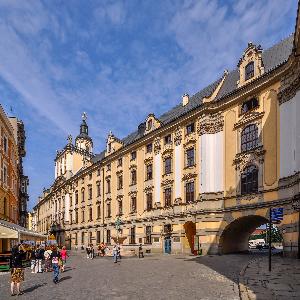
(178,170)
(157,176)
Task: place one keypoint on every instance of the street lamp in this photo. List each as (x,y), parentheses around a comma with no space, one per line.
(296,207)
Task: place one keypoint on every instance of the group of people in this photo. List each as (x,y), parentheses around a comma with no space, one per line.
(42,259)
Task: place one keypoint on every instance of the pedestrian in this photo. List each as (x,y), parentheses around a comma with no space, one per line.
(64,255)
(141,253)
(17,271)
(32,260)
(119,251)
(55,260)
(92,253)
(115,253)
(39,254)
(102,249)
(47,256)
(88,251)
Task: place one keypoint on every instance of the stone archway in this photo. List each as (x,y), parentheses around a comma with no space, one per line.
(190,232)
(235,236)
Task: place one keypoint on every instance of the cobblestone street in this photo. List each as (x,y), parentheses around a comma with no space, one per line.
(154,277)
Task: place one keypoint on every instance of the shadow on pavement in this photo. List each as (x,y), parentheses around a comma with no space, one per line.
(65,278)
(34,287)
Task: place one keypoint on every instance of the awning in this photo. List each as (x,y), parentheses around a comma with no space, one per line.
(13,231)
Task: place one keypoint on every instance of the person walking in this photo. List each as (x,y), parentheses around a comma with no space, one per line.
(88,251)
(47,256)
(39,254)
(115,253)
(32,259)
(55,259)
(64,255)
(17,272)
(141,253)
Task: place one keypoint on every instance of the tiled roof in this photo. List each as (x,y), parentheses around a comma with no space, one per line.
(272,58)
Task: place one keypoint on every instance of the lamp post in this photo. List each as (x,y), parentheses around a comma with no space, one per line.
(296,207)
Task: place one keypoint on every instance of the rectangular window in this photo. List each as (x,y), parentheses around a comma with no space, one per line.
(190,192)
(76,197)
(148,235)
(5,144)
(76,238)
(149,172)
(76,216)
(190,128)
(82,216)
(168,165)
(98,189)
(133,155)
(91,214)
(120,162)
(190,157)
(133,204)
(108,167)
(98,172)
(98,237)
(149,201)
(108,185)
(133,177)
(98,211)
(132,235)
(90,192)
(82,238)
(90,237)
(120,207)
(82,195)
(149,148)
(70,216)
(90,176)
(167,197)
(120,182)
(108,210)
(108,237)
(168,139)
(5,175)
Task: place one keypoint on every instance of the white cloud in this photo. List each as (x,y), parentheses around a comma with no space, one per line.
(115,13)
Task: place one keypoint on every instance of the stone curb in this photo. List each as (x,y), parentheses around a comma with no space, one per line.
(242,285)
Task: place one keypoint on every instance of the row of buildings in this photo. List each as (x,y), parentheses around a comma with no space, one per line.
(202,176)
(13,181)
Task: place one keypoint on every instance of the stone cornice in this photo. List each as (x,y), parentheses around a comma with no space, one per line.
(290,83)
(248,117)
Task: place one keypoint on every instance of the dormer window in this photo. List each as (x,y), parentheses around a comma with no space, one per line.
(149,124)
(249,105)
(249,70)
(168,139)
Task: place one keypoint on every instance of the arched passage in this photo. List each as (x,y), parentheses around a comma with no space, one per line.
(236,235)
(190,232)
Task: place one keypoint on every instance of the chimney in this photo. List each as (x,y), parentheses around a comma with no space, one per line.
(185,99)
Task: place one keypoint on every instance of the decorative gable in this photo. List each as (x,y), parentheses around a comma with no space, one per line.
(250,65)
(152,123)
(112,144)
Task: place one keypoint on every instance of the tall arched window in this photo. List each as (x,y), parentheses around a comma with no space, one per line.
(249,70)
(249,137)
(249,180)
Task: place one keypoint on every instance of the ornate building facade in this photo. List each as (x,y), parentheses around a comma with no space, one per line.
(201,176)
(12,177)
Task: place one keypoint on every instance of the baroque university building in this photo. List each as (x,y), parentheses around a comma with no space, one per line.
(201,176)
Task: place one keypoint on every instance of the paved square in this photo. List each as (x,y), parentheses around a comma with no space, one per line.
(154,277)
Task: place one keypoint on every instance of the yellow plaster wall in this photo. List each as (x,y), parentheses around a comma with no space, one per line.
(270,136)
(230,150)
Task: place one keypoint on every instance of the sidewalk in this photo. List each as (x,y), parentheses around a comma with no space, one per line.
(283,282)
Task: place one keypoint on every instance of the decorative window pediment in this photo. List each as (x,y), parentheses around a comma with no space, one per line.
(250,65)
(152,123)
(112,144)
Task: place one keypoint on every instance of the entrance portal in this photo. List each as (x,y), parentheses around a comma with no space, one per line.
(168,245)
(236,235)
(190,232)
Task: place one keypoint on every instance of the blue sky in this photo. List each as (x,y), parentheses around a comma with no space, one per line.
(118,61)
